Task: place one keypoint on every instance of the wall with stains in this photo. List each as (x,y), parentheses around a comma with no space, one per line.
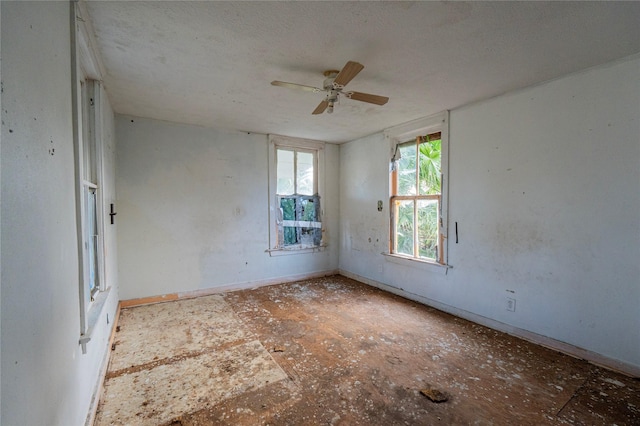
(45,377)
(193,210)
(544,188)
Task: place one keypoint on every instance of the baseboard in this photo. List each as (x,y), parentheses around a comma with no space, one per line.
(224,289)
(566,348)
(95,401)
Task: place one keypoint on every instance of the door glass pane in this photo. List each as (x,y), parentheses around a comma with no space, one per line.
(404,227)
(285,184)
(305,173)
(407,169)
(428,228)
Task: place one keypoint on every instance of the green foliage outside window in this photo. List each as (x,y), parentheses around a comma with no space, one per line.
(288,206)
(301,208)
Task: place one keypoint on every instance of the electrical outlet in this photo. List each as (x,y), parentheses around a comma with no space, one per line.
(511,304)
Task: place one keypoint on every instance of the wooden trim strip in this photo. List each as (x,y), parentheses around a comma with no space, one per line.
(416,197)
(223,289)
(149,300)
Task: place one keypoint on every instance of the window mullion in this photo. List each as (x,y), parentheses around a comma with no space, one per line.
(316,175)
(417,166)
(416,243)
(415,228)
(295,172)
(440,233)
(393,227)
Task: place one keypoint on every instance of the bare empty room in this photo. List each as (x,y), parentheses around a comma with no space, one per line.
(319,213)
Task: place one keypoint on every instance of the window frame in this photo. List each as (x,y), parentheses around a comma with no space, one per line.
(406,133)
(89,138)
(91,182)
(87,92)
(415,199)
(276,142)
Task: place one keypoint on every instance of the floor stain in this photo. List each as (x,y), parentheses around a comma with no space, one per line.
(332,351)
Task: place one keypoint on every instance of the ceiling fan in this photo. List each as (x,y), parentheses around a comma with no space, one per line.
(334,87)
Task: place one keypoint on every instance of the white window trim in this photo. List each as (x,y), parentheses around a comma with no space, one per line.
(86,67)
(405,132)
(94,92)
(279,141)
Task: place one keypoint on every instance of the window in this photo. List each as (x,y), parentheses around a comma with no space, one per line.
(89,183)
(90,217)
(88,119)
(295,202)
(417,201)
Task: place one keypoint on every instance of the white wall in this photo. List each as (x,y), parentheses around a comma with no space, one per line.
(193,210)
(45,377)
(109,196)
(544,185)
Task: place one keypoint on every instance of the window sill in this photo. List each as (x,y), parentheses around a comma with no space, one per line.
(421,264)
(291,251)
(95,310)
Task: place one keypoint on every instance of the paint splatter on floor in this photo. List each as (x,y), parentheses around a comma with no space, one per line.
(334,351)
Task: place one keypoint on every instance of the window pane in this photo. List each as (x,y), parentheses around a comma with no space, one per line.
(88,133)
(404,227)
(407,169)
(288,206)
(305,173)
(309,237)
(290,235)
(428,228)
(91,239)
(308,210)
(429,166)
(285,185)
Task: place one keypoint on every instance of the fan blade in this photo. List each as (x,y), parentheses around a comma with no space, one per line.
(296,86)
(321,107)
(350,70)
(366,97)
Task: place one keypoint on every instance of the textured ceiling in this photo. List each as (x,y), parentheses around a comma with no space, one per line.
(211,63)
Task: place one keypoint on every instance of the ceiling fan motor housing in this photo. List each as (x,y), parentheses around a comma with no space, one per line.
(332,89)
(328,83)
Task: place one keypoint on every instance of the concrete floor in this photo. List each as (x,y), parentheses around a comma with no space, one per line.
(335,351)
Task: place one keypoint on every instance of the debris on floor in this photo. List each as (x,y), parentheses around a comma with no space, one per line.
(434,395)
(341,352)
(178,358)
